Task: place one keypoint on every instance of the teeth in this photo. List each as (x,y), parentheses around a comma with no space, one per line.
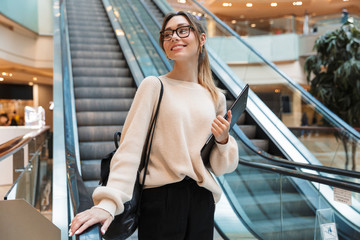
(177,47)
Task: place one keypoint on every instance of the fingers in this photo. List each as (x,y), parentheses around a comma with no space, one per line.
(88,218)
(229,116)
(220,128)
(106,225)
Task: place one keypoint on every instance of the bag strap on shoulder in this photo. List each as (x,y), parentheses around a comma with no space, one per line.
(151,135)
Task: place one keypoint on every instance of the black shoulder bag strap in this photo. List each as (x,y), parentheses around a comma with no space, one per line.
(149,139)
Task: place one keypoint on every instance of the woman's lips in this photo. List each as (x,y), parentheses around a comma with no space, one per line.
(177,47)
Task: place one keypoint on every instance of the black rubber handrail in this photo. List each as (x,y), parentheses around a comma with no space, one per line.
(283,162)
(350,186)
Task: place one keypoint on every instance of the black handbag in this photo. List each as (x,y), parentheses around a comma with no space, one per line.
(125,224)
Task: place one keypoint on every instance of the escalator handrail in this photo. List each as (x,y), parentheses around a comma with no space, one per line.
(152,40)
(283,162)
(74,180)
(324,110)
(133,65)
(350,186)
(12,146)
(151,15)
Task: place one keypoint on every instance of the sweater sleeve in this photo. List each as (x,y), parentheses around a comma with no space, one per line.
(126,160)
(224,157)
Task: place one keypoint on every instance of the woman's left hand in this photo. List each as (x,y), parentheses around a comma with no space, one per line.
(220,128)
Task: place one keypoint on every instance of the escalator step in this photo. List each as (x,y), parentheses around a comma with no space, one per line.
(95,150)
(91,185)
(97,133)
(249,130)
(100,118)
(87,40)
(91,169)
(93,105)
(87,28)
(95,47)
(103,82)
(104,93)
(96,55)
(101,72)
(92,34)
(114,63)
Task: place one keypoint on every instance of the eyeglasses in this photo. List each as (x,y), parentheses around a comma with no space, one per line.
(182,32)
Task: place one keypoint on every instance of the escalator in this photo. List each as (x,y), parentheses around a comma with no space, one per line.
(103,84)
(102,72)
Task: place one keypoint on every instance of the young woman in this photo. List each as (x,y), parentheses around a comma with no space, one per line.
(180,195)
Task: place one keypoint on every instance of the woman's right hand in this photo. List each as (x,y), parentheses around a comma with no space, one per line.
(88,218)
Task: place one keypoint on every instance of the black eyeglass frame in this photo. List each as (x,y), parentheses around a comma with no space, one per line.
(176,30)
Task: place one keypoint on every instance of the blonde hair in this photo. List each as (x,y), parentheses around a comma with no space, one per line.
(204,71)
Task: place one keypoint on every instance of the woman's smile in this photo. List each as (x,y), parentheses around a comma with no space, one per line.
(177,47)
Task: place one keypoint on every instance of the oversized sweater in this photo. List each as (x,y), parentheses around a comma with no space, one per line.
(183,126)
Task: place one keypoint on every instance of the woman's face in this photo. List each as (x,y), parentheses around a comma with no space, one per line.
(181,48)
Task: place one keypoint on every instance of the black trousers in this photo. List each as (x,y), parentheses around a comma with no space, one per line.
(177,211)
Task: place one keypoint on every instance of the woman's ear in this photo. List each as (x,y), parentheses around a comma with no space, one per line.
(202,39)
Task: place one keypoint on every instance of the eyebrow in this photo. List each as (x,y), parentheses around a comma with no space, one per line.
(179,25)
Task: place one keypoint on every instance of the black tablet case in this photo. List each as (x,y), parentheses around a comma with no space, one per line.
(237,108)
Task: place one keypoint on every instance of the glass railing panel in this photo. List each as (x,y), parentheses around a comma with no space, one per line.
(147,57)
(257,196)
(34,182)
(327,137)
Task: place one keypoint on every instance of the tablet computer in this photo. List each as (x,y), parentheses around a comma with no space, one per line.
(237,108)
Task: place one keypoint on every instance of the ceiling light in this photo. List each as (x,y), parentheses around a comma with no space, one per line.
(1,79)
(253,25)
(249,4)
(345,0)
(181,1)
(298,3)
(273,4)
(10,74)
(227,4)
(35,78)
(31,83)
(4,73)
(233,21)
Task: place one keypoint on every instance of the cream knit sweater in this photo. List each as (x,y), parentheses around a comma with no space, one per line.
(183,125)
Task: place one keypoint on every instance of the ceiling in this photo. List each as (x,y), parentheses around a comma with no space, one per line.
(15,73)
(262,8)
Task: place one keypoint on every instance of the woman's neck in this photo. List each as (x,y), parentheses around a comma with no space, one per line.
(184,71)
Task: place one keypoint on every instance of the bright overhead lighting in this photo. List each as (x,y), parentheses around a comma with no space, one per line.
(10,74)
(35,78)
(253,25)
(1,79)
(233,21)
(345,0)
(181,1)
(249,4)
(227,4)
(273,4)
(4,73)
(31,83)
(298,3)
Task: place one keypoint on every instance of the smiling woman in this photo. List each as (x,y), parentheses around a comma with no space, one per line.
(180,193)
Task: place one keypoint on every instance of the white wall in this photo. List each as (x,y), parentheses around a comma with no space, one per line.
(26,48)
(45,18)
